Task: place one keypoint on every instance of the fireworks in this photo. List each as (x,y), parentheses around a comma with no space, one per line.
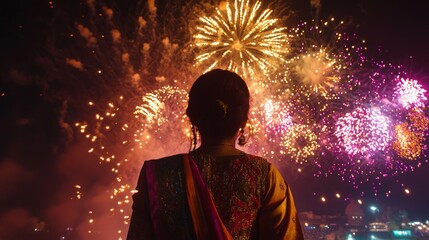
(155,104)
(408,144)
(317,70)
(409,137)
(418,120)
(302,108)
(321,73)
(363,131)
(241,37)
(300,143)
(150,108)
(277,116)
(409,93)
(158,108)
(324,59)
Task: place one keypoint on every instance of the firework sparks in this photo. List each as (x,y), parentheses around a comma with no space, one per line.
(277,116)
(419,120)
(317,71)
(241,37)
(362,131)
(155,104)
(410,93)
(150,108)
(268,122)
(325,57)
(408,144)
(159,107)
(323,68)
(300,142)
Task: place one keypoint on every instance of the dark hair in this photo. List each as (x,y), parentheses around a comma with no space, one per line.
(218,104)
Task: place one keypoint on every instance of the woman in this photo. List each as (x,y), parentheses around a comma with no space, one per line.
(215,191)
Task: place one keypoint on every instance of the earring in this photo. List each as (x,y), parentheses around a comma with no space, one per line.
(242,139)
(194,138)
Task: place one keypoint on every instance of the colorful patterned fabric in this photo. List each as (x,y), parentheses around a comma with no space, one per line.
(250,195)
(205,217)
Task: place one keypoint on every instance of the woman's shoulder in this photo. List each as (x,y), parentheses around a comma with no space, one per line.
(257,159)
(170,161)
(165,159)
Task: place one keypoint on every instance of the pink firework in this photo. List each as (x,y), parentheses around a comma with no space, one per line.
(363,131)
(410,93)
(277,116)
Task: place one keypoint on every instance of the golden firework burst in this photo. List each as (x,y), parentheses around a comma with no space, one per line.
(241,37)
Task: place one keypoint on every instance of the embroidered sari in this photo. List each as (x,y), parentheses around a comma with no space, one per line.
(207,197)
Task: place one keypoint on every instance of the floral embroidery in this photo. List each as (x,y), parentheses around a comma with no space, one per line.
(237,185)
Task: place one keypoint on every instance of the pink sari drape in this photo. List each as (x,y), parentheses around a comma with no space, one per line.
(205,218)
(207,223)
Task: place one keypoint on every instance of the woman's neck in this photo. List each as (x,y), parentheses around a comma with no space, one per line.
(220,147)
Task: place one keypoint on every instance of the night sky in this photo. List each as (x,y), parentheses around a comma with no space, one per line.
(42,156)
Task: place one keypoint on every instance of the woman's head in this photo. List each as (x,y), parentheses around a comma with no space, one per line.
(218,104)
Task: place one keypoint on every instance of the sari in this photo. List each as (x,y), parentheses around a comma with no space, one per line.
(199,196)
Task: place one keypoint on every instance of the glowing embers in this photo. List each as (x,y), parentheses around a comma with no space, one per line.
(408,144)
(241,37)
(418,120)
(363,131)
(409,137)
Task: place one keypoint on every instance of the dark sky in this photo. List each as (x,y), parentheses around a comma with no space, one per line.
(32,140)
(400,28)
